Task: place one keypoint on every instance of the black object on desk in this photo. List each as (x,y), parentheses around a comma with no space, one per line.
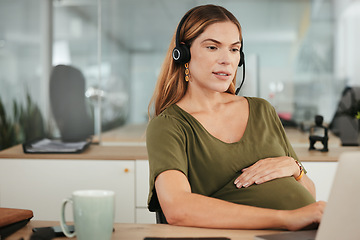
(46,233)
(319,133)
(55,146)
(186,238)
(56,231)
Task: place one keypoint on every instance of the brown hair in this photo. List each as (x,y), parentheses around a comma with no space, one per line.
(171,86)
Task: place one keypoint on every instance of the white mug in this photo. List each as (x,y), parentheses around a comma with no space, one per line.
(93,212)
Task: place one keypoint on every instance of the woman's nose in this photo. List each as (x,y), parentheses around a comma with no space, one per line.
(224,58)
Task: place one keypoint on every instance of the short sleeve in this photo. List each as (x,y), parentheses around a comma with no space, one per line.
(166,146)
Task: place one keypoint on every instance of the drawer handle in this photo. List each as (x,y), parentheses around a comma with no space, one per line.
(126,170)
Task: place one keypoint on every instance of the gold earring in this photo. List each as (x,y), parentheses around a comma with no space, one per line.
(187,72)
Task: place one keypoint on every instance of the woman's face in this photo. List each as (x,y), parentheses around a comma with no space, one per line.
(215,55)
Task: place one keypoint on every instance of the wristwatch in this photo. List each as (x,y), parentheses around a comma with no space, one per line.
(301,170)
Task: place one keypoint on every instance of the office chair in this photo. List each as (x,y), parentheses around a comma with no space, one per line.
(160,217)
(68,105)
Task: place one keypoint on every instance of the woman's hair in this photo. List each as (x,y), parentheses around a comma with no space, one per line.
(171,86)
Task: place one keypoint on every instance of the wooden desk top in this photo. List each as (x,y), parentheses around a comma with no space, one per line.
(96,152)
(93,152)
(127,231)
(333,155)
(134,150)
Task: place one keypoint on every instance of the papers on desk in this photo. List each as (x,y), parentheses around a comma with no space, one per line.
(55,146)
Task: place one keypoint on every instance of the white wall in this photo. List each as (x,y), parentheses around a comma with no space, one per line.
(145,68)
(347,40)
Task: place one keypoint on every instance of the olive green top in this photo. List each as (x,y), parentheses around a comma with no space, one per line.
(177,141)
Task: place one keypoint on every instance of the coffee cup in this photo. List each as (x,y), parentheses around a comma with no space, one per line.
(93,212)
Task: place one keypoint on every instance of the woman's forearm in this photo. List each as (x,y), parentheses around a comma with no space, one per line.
(181,207)
(201,211)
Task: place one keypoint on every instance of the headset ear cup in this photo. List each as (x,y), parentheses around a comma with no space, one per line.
(181,54)
(242,59)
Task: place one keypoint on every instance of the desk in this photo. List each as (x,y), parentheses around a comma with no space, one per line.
(127,231)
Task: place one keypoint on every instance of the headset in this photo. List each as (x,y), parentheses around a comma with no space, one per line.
(181,51)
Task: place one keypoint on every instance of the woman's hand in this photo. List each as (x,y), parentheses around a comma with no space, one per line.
(266,170)
(304,218)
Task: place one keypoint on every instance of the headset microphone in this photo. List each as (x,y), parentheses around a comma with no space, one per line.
(241,63)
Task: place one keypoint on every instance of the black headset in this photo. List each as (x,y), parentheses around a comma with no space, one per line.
(181,51)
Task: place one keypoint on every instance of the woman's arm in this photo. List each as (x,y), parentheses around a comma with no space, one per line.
(271,168)
(181,207)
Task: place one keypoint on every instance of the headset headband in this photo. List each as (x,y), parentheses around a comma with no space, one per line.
(177,37)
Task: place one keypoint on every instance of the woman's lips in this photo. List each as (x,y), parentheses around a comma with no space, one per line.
(222,75)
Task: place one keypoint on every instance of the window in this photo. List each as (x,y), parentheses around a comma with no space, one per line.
(119,46)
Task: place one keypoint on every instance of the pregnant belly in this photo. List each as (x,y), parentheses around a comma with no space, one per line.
(283,193)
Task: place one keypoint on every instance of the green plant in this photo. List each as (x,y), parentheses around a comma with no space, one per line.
(26,125)
(354,110)
(30,120)
(357,115)
(7,129)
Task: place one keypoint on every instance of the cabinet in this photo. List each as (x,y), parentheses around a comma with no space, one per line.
(41,185)
(322,174)
(142,214)
(40,182)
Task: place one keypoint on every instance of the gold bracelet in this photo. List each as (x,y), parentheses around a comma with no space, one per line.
(301,170)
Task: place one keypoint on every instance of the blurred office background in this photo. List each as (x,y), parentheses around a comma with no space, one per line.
(300,54)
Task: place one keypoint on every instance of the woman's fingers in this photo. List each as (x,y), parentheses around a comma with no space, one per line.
(266,170)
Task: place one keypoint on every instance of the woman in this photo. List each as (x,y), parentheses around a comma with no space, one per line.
(216,159)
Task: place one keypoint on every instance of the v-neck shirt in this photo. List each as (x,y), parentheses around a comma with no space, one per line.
(177,141)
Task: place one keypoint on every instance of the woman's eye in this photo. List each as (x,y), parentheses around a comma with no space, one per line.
(212,47)
(235,49)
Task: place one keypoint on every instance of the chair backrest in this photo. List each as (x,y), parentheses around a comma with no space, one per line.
(160,218)
(68,105)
